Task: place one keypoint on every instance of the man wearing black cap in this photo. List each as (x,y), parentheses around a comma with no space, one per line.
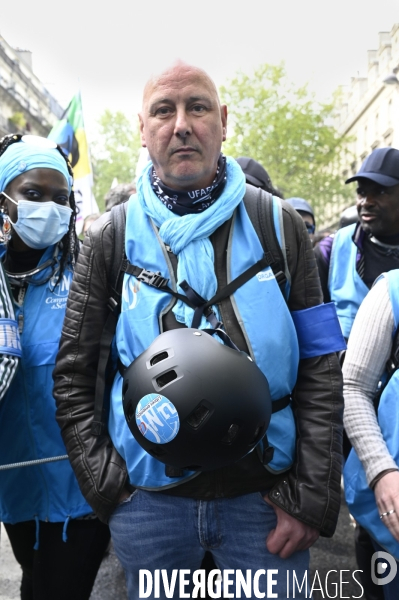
(350,261)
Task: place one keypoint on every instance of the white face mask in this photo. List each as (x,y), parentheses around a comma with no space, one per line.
(41,224)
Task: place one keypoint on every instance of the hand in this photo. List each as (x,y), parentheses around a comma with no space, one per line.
(386,492)
(290,535)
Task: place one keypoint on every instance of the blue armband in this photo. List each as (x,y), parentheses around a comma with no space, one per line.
(318,330)
(9,338)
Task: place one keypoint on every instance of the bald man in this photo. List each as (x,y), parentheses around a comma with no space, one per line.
(188,224)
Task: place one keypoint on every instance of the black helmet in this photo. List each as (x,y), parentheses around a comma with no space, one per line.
(194,403)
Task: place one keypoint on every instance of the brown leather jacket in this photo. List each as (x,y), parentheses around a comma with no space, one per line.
(310,491)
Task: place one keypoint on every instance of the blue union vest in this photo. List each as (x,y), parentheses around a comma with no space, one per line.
(347,289)
(359,497)
(29,430)
(262,313)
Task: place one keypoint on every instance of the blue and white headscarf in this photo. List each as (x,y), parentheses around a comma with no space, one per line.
(21,157)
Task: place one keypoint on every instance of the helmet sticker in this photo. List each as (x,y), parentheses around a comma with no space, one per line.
(157,419)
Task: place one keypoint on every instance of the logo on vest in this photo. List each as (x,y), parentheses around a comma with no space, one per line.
(59,293)
(130,293)
(265,275)
(157,419)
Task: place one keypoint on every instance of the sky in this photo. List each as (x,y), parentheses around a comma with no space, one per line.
(109,52)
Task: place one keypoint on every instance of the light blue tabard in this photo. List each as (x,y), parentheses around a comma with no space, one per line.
(347,289)
(262,314)
(29,431)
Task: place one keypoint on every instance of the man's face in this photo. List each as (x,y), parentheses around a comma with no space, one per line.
(378,207)
(183,125)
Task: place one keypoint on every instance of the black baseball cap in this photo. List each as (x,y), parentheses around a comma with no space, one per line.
(381,166)
(255,173)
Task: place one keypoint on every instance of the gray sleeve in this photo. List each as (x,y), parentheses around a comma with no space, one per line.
(369,347)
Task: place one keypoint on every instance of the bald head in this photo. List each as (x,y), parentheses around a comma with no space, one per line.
(183,125)
(178,71)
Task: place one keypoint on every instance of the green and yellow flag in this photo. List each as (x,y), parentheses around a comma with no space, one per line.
(70,134)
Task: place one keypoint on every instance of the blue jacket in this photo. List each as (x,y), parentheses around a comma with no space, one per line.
(274,346)
(29,430)
(359,496)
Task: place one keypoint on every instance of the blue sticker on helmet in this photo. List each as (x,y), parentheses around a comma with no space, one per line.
(157,419)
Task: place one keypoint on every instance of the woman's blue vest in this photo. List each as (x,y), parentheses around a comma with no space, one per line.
(29,431)
(359,496)
(347,289)
(261,312)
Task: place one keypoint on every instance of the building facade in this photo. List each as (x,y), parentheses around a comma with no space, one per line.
(25,104)
(368,110)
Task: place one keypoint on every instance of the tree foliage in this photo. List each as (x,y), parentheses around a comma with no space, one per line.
(291,134)
(114,153)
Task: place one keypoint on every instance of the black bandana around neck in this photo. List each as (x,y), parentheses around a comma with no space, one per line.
(183,203)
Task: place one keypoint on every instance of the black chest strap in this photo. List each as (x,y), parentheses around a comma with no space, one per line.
(192,298)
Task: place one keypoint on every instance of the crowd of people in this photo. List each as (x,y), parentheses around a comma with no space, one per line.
(180,381)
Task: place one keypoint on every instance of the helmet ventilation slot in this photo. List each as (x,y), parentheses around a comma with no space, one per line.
(156,451)
(198,416)
(258,434)
(158,358)
(130,413)
(231,434)
(166,378)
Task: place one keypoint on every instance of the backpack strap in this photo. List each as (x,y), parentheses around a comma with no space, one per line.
(260,209)
(391,366)
(105,372)
(393,361)
(118,222)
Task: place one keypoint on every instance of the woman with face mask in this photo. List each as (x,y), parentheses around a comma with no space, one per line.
(53,533)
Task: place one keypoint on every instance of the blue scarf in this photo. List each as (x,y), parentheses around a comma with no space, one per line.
(188,235)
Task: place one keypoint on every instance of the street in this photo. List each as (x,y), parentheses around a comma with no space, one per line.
(336,555)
